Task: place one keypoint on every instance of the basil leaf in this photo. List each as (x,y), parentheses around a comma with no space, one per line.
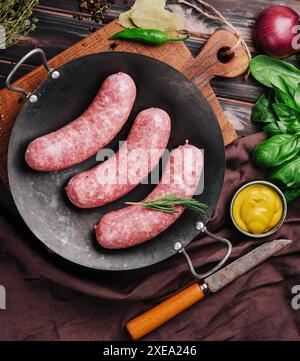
(297,96)
(268,70)
(283,128)
(289,116)
(263,111)
(294,126)
(275,128)
(285,86)
(288,173)
(291,194)
(276,150)
(284,98)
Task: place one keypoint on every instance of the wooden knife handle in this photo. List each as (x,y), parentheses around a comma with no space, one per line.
(157,316)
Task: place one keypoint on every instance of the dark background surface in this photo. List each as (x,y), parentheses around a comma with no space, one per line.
(41,309)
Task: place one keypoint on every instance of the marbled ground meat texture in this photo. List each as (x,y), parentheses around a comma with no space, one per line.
(86,135)
(135,224)
(126,169)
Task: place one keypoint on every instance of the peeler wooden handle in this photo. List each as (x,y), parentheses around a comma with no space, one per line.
(157,316)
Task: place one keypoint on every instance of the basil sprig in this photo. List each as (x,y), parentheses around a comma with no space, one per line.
(278,112)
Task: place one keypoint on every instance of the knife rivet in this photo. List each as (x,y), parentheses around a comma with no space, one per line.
(177,246)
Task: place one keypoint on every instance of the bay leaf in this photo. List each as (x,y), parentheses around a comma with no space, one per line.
(154,18)
(125,18)
(149,3)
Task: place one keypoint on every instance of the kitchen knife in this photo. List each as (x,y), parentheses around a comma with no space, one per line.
(157,316)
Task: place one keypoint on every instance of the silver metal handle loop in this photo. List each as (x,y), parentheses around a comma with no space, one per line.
(202,228)
(32,98)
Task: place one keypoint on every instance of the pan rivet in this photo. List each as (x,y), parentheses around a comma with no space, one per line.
(33,98)
(177,246)
(55,75)
(199,226)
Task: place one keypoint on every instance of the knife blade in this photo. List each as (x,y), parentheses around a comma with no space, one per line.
(244,264)
(154,318)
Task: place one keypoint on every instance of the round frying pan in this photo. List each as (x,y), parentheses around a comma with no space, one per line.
(40,197)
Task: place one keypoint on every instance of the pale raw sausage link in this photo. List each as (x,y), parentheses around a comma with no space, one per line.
(122,172)
(86,135)
(133,225)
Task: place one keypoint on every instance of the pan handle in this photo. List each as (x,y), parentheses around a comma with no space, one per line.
(202,228)
(32,97)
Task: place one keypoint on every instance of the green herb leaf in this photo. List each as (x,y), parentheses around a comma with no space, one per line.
(288,173)
(285,86)
(289,116)
(297,96)
(276,150)
(283,97)
(275,128)
(268,71)
(291,194)
(263,111)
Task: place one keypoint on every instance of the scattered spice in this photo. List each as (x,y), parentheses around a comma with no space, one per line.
(17,20)
(96,8)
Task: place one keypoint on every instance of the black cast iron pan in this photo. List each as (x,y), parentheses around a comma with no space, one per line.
(40,197)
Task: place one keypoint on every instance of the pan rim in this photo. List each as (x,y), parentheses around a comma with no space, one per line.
(165,256)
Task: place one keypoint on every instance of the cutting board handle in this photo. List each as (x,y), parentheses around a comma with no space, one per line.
(209,63)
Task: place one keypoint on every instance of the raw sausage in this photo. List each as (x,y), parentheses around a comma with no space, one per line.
(122,172)
(95,128)
(133,225)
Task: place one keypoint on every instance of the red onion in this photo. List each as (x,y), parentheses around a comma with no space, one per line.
(275,29)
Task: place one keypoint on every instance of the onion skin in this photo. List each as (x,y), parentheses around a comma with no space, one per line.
(273,33)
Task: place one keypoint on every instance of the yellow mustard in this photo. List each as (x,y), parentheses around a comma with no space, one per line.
(257,209)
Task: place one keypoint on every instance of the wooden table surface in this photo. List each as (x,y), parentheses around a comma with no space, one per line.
(58,28)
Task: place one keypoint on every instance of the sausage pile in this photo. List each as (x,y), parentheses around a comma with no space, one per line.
(112,179)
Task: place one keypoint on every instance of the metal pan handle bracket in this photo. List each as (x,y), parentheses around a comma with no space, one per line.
(32,97)
(202,228)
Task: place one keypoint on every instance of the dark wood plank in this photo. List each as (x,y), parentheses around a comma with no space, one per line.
(5,68)
(239,114)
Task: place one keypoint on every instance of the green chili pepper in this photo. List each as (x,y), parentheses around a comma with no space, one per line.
(148,36)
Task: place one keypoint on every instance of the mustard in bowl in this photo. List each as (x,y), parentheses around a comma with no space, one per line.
(258,209)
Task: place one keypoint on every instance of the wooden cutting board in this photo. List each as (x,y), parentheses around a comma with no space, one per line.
(200,69)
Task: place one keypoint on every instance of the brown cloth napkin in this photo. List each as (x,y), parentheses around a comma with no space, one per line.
(49,298)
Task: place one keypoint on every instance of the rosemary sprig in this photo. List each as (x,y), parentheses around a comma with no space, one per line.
(168,203)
